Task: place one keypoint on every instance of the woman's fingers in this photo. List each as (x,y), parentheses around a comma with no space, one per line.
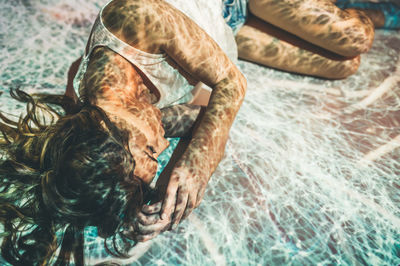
(152,209)
(181,205)
(145,219)
(192,204)
(189,208)
(168,205)
(146,230)
(144,238)
(199,197)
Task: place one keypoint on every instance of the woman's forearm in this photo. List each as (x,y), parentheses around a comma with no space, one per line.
(207,146)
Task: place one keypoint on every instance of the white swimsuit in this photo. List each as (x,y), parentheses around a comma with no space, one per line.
(173,87)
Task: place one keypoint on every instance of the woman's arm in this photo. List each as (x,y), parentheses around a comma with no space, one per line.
(200,56)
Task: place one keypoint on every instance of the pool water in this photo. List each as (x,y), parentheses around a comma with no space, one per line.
(311,169)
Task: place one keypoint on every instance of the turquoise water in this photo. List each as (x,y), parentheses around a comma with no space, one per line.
(164,157)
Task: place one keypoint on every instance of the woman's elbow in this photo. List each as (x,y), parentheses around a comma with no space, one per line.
(242,84)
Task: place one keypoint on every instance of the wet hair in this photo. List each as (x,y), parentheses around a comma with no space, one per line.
(63,169)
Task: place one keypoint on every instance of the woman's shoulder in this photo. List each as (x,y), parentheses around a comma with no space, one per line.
(140,23)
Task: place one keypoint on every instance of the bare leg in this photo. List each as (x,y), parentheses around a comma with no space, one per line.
(345,32)
(268,45)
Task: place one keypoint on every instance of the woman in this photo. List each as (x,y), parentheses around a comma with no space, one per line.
(308,37)
(92,166)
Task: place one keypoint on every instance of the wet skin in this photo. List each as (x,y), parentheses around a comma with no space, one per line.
(156,27)
(268,45)
(308,37)
(118,87)
(344,32)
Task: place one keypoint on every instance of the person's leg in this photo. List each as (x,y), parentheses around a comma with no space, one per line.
(345,32)
(263,43)
(383,15)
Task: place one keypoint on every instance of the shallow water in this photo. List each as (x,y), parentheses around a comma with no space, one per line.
(311,169)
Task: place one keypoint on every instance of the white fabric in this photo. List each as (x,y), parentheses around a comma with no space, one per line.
(208,15)
(173,87)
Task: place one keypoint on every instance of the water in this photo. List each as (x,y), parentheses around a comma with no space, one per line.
(311,169)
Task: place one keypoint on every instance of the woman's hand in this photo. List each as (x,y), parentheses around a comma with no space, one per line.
(191,174)
(148,224)
(184,192)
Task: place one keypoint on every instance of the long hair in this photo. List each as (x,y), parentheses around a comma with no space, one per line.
(62,170)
